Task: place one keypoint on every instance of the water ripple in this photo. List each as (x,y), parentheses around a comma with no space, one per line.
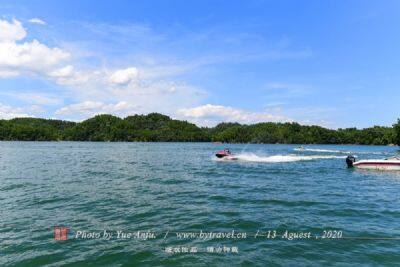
(178,187)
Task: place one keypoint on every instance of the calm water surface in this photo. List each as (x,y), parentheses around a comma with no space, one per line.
(179,187)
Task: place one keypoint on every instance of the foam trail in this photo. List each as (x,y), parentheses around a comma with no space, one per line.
(322,150)
(336,151)
(281,158)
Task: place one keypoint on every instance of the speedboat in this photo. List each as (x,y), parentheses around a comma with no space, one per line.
(389,164)
(225,154)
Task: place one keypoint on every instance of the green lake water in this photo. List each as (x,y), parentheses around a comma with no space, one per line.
(166,189)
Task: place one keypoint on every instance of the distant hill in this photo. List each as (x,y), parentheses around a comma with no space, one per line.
(156,127)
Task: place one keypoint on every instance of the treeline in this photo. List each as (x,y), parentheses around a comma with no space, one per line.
(156,127)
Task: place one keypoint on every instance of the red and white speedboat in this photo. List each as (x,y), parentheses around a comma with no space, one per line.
(389,164)
(225,154)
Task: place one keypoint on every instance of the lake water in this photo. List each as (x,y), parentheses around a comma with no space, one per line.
(166,189)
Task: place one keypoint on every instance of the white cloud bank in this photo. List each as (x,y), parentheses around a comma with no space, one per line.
(97,90)
(8,112)
(26,58)
(210,115)
(11,31)
(119,91)
(91,108)
(36,98)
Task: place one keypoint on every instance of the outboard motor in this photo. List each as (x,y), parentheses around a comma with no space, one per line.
(350,160)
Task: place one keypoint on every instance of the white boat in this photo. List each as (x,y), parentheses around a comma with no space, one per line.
(389,164)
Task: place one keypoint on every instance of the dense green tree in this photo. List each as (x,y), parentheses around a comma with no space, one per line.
(98,128)
(396,128)
(156,127)
(31,129)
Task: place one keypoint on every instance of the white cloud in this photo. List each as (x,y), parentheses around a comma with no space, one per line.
(63,72)
(142,97)
(91,108)
(35,109)
(8,73)
(78,79)
(36,98)
(210,115)
(123,76)
(145,94)
(278,90)
(8,112)
(11,31)
(28,58)
(37,21)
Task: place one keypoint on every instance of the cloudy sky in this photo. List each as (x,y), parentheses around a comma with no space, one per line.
(331,63)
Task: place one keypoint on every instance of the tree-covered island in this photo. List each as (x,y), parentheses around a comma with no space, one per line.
(156,127)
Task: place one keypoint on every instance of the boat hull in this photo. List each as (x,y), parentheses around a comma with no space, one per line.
(231,158)
(223,154)
(384,165)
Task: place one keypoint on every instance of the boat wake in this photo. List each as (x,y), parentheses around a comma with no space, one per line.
(322,150)
(251,157)
(336,151)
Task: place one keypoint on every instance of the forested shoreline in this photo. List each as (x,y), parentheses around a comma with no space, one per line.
(156,127)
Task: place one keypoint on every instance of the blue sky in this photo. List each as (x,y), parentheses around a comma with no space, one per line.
(331,63)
